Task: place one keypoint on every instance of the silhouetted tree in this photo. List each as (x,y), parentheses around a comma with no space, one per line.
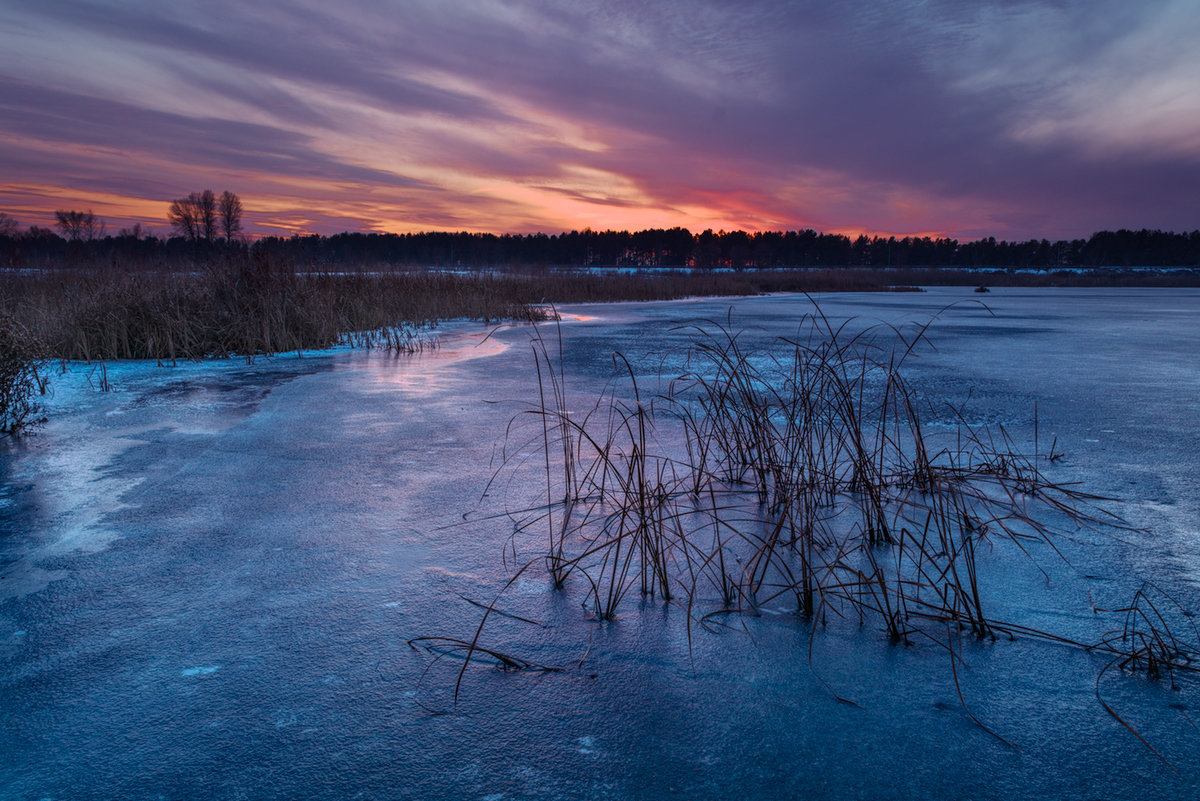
(206,205)
(707,251)
(655,247)
(183,216)
(735,248)
(8,225)
(229,209)
(36,234)
(79,225)
(202,215)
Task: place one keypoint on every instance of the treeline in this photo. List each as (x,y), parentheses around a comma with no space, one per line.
(678,247)
(675,247)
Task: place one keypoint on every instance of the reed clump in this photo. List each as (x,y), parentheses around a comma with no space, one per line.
(806,480)
(801,480)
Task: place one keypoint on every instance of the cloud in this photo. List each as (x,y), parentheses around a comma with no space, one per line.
(52,116)
(1014,118)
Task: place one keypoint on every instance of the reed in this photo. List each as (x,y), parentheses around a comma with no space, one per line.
(804,479)
(248,303)
(243,307)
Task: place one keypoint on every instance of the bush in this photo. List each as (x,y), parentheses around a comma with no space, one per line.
(20,380)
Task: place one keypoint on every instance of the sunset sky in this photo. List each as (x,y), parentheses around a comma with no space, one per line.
(1049,118)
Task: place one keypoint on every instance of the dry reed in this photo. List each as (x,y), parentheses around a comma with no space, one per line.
(806,480)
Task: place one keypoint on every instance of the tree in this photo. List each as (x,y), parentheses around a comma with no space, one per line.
(44,235)
(229,209)
(8,225)
(200,216)
(182,216)
(707,253)
(206,204)
(79,225)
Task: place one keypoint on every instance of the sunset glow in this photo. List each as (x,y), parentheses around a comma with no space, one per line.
(1042,119)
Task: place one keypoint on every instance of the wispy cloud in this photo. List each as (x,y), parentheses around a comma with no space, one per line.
(1014,118)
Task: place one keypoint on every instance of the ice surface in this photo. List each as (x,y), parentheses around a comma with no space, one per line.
(209,575)
(200,671)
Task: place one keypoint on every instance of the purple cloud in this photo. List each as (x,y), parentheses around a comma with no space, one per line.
(1024,118)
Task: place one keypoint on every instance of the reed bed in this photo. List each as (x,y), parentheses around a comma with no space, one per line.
(800,480)
(251,303)
(244,307)
(248,303)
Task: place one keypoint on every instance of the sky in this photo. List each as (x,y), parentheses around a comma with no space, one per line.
(1015,119)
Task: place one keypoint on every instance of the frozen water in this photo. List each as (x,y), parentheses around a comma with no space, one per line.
(200,671)
(209,575)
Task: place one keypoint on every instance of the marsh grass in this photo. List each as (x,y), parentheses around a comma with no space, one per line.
(806,479)
(253,303)
(801,480)
(242,307)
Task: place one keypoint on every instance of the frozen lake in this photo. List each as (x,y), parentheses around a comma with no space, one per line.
(209,575)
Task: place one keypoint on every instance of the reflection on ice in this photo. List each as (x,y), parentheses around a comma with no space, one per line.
(425,374)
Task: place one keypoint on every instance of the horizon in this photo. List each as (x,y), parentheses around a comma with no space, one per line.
(1019,121)
(166,233)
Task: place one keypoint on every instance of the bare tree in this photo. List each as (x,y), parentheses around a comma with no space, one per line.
(195,216)
(8,225)
(206,205)
(182,214)
(93,226)
(68,223)
(201,215)
(79,225)
(229,207)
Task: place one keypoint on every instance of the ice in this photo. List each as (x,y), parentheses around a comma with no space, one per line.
(277,532)
(204,670)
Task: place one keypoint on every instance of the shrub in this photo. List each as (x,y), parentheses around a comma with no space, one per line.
(20,379)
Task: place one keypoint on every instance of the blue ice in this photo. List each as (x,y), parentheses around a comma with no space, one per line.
(200,671)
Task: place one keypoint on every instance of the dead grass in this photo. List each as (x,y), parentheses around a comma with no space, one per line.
(244,307)
(22,378)
(801,479)
(249,304)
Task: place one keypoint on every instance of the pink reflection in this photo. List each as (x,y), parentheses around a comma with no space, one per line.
(425,374)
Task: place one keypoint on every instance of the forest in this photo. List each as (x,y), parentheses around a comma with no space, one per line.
(674,247)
